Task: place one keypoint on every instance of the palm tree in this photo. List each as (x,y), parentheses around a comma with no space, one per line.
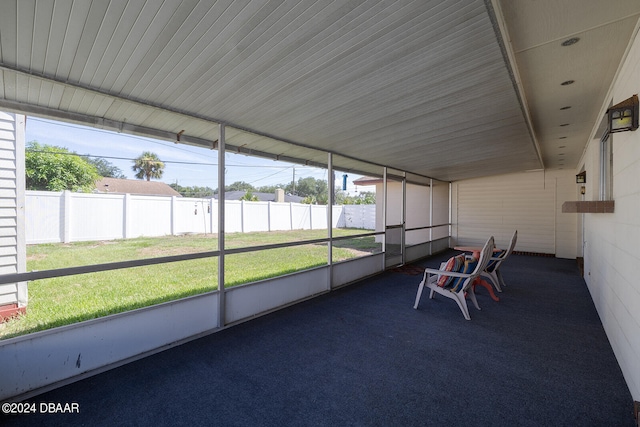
(148,166)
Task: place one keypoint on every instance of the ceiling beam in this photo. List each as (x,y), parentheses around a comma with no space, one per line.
(502,36)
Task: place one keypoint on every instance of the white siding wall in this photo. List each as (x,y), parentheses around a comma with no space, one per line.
(529,202)
(611,251)
(12,241)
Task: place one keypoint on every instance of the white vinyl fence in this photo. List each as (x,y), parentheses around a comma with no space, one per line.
(53,217)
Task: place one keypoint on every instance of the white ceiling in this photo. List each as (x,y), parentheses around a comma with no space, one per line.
(449,89)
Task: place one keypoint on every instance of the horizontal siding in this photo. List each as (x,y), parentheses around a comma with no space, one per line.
(7,289)
(7,164)
(8,241)
(501,204)
(7,154)
(8,250)
(6,299)
(8,222)
(8,203)
(7,212)
(8,262)
(611,255)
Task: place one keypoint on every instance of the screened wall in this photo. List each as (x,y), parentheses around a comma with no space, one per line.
(255,233)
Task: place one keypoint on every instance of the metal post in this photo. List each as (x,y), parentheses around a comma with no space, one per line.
(451,212)
(330,219)
(403,237)
(221,203)
(430,216)
(384,218)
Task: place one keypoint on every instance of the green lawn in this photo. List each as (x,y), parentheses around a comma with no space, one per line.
(64,300)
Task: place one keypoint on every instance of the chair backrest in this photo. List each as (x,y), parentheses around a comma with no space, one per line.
(512,245)
(463,284)
(485,256)
(497,259)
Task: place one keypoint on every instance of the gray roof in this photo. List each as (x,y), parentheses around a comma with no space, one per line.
(134,186)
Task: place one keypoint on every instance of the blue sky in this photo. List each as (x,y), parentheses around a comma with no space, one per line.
(194,166)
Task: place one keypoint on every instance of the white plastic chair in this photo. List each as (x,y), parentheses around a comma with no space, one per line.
(431,276)
(492,271)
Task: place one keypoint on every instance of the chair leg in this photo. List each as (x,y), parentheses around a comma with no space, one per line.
(499,275)
(419,294)
(493,278)
(472,295)
(462,303)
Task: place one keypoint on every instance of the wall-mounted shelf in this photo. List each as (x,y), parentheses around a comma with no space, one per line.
(598,206)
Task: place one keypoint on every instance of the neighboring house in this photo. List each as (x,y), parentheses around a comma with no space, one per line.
(367,180)
(134,186)
(262,197)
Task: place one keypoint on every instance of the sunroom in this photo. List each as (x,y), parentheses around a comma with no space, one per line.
(471,119)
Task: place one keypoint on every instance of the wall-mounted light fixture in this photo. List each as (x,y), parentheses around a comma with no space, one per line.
(624,116)
(581,178)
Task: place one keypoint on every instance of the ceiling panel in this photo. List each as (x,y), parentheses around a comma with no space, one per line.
(421,86)
(603,34)
(535,23)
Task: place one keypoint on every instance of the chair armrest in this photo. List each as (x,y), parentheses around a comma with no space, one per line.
(446,273)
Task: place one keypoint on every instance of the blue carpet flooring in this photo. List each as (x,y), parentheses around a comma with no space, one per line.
(362,356)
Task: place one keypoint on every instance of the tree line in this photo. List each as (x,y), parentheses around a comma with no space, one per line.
(312,190)
(52,168)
